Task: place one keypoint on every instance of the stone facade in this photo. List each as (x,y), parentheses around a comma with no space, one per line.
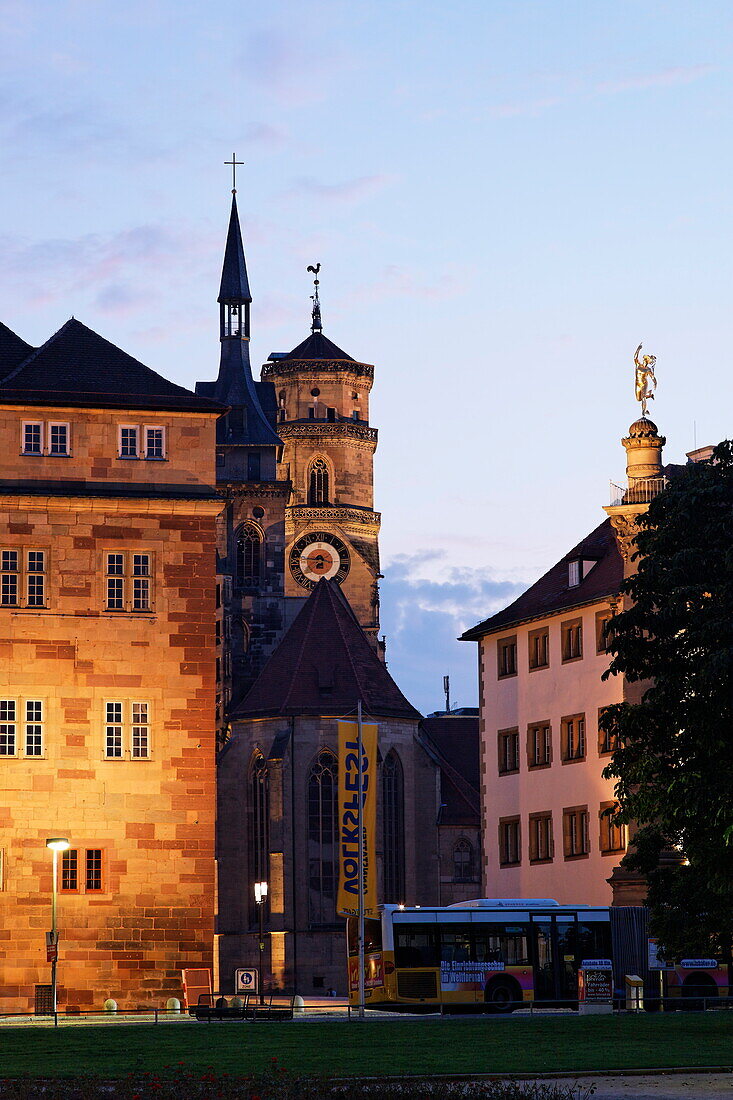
(107,726)
(303,950)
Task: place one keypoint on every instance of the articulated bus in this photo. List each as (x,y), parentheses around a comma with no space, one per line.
(497,954)
(493,954)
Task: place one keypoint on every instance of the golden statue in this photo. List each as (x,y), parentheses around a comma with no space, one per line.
(645,380)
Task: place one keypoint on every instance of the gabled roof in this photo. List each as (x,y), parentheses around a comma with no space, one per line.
(552,592)
(453,742)
(317,346)
(234,282)
(323,666)
(77,366)
(13,350)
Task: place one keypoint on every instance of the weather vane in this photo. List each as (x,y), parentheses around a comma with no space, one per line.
(645,379)
(234,162)
(316,323)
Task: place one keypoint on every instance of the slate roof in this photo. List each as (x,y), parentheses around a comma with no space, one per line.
(453,742)
(552,592)
(317,346)
(13,350)
(77,366)
(323,666)
(234,282)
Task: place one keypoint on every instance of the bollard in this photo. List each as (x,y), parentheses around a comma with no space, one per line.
(298,1006)
(173,1005)
(110,1005)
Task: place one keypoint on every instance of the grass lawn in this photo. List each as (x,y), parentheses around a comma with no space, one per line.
(483,1045)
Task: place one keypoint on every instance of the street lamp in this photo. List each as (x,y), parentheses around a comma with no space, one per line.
(260,898)
(56,844)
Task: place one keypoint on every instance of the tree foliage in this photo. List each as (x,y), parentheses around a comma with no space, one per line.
(673,764)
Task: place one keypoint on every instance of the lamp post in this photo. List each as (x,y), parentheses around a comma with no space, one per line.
(260,898)
(56,844)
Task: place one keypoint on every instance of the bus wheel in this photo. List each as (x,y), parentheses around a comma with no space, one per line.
(697,990)
(501,995)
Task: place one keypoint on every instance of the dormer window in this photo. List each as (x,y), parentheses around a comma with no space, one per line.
(574,574)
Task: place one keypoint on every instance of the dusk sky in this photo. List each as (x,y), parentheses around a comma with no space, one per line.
(505,197)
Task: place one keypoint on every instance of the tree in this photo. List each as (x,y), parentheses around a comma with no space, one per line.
(674,757)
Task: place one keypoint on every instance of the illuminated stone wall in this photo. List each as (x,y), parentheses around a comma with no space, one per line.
(152,818)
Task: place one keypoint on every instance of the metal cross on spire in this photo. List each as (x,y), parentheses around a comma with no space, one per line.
(316,324)
(234,162)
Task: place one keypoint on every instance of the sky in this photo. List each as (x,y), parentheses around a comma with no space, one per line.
(506,197)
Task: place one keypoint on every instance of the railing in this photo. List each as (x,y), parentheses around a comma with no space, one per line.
(640,492)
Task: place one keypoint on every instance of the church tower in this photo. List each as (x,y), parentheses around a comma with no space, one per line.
(331,528)
(252,523)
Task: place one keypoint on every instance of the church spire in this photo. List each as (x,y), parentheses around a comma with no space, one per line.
(234,293)
(246,422)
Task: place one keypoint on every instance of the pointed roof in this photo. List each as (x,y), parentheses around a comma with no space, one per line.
(317,346)
(553,592)
(234,282)
(235,387)
(13,350)
(77,366)
(323,666)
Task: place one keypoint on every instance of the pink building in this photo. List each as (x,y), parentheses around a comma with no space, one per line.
(543,796)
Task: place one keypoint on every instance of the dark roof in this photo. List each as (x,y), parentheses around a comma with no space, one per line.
(13,350)
(77,366)
(453,742)
(323,666)
(552,592)
(234,282)
(317,346)
(235,387)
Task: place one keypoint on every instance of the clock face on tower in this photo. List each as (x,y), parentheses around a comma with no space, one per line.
(318,554)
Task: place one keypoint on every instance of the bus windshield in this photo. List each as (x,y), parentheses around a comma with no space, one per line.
(372,936)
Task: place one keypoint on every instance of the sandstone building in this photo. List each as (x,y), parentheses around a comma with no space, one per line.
(107,678)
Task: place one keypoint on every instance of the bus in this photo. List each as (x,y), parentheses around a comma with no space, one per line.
(497,954)
(492,954)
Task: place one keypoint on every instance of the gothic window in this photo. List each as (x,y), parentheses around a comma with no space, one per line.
(322,839)
(463,863)
(249,556)
(318,482)
(258,818)
(393,828)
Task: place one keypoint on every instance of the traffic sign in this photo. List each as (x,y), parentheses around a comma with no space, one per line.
(245,981)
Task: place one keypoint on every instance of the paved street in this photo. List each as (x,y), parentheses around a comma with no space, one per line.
(674,1086)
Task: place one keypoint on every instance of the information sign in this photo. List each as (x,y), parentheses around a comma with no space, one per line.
(245,981)
(595,986)
(655,960)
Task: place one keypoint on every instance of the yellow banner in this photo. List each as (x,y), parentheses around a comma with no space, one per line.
(348,808)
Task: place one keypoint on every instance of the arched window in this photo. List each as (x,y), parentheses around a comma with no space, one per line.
(393,828)
(258,828)
(463,863)
(318,482)
(249,556)
(322,839)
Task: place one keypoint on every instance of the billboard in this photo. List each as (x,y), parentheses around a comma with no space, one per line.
(348,809)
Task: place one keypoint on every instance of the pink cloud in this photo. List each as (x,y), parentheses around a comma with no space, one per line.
(665,78)
(347,191)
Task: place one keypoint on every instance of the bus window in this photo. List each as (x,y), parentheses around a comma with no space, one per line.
(415,946)
(594,939)
(455,945)
(372,935)
(508,945)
